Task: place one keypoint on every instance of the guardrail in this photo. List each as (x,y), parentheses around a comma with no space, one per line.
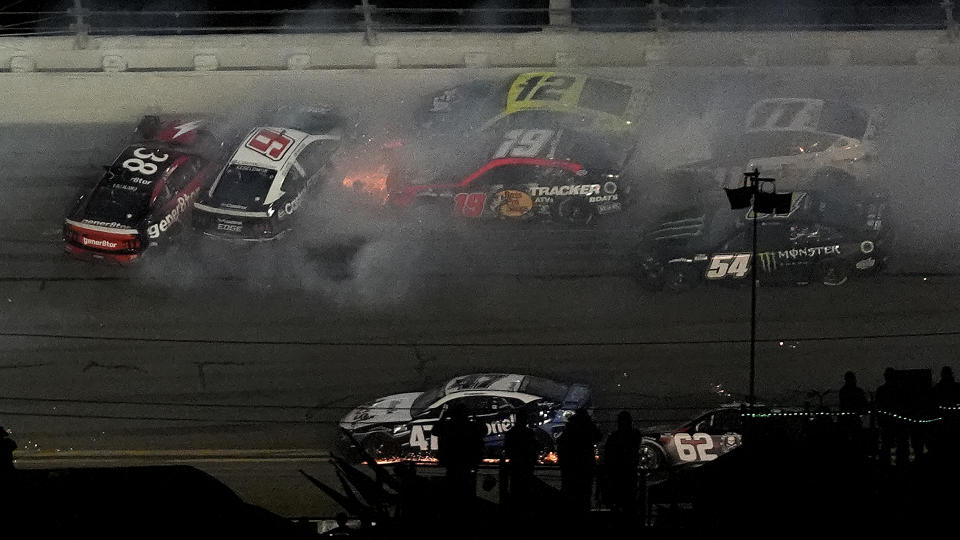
(652,16)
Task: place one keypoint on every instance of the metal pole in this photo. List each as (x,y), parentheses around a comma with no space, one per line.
(658,15)
(753,295)
(79,27)
(560,15)
(947,6)
(369,36)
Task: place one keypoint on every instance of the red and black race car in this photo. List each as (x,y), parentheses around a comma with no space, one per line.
(560,174)
(143,197)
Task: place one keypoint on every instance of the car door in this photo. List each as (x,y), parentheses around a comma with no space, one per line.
(500,192)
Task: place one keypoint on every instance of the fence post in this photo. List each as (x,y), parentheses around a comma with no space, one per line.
(79,27)
(658,8)
(952,30)
(369,35)
(560,14)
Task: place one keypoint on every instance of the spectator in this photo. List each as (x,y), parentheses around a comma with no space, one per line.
(459,451)
(576,453)
(622,462)
(893,432)
(521,449)
(853,405)
(946,394)
(7,446)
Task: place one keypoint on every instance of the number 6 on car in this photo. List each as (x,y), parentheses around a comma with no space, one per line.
(734,265)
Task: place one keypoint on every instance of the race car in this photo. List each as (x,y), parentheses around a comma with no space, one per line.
(703,439)
(719,431)
(144,196)
(789,138)
(541,97)
(827,236)
(564,175)
(267,178)
(398,426)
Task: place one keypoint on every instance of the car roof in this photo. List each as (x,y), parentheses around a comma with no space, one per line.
(504,382)
(268,147)
(807,115)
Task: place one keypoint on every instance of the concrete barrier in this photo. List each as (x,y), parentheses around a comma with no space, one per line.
(348,50)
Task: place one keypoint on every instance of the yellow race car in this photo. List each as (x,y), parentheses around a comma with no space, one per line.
(536,98)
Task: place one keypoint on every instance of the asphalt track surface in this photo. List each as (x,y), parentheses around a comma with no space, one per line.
(209,347)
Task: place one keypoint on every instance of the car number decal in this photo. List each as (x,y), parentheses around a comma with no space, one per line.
(269,143)
(138,165)
(735,265)
(523,143)
(551,89)
(469,204)
(421,438)
(694,447)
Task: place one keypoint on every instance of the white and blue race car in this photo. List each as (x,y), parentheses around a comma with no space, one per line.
(398,426)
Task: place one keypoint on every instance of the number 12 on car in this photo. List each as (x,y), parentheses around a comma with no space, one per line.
(733,265)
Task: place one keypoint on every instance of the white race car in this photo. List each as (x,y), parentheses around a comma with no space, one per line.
(790,138)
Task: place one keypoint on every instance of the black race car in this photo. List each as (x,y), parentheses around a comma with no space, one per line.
(144,196)
(827,237)
(522,174)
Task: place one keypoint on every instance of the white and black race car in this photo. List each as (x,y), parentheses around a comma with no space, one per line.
(268,176)
(790,138)
(399,425)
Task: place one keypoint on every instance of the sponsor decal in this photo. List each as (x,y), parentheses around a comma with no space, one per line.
(730,441)
(512,203)
(98,243)
(112,224)
(183,202)
(498,427)
(771,259)
(866,264)
(229,226)
(866,246)
(543,200)
(583,189)
(604,198)
(608,208)
(141,181)
(610,188)
(291,206)
(441,103)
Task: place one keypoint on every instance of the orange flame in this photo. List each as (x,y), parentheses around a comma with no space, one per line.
(373,183)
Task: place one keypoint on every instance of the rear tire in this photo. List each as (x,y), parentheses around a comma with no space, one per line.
(575,211)
(833,272)
(679,277)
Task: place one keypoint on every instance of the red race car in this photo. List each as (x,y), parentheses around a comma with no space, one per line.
(143,197)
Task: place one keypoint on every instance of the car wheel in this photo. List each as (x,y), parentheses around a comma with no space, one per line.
(679,277)
(576,211)
(651,457)
(833,272)
(381,446)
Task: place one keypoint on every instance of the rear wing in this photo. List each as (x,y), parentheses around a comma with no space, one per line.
(578,396)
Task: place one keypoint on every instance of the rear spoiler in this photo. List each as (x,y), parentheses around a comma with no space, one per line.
(578,396)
